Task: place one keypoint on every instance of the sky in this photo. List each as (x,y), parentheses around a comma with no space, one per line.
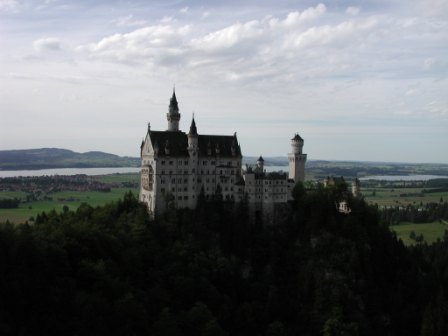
(361,80)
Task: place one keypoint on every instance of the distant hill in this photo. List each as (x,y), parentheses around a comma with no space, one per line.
(45,158)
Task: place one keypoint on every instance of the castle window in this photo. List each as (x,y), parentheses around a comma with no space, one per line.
(185,180)
(163,162)
(173,189)
(162,181)
(179,180)
(173,181)
(179,198)
(179,189)
(171,163)
(186,162)
(171,172)
(163,172)
(162,190)
(179,162)
(213,163)
(193,171)
(185,172)
(185,189)
(204,163)
(185,197)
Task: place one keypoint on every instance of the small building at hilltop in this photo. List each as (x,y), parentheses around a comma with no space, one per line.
(178,167)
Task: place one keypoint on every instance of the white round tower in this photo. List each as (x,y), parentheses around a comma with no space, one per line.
(297,159)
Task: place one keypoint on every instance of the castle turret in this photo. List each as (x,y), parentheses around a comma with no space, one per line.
(356,188)
(297,159)
(260,164)
(193,138)
(173,115)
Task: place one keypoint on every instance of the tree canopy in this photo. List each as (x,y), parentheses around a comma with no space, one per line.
(218,270)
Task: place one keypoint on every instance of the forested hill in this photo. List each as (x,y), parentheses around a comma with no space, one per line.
(217,271)
(44,158)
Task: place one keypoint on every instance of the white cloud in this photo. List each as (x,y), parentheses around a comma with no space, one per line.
(150,44)
(8,5)
(229,36)
(47,44)
(342,35)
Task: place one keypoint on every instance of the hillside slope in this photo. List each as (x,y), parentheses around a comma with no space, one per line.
(44,158)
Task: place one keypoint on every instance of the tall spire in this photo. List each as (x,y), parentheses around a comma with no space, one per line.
(193,129)
(173,115)
(174,107)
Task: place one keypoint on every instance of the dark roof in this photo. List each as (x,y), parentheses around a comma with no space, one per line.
(222,145)
(260,159)
(193,129)
(297,137)
(174,106)
(209,145)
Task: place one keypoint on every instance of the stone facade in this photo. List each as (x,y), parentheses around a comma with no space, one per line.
(177,167)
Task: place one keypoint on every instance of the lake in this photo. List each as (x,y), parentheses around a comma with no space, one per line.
(92,171)
(402,177)
(69,171)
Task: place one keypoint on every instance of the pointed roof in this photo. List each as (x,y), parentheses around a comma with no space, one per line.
(260,159)
(193,129)
(174,106)
(297,137)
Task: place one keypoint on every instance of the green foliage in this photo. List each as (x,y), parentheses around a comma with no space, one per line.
(218,270)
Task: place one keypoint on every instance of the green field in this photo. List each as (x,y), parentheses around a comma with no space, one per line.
(72,199)
(395,196)
(430,231)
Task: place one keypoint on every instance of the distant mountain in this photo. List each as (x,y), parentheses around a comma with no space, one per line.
(45,158)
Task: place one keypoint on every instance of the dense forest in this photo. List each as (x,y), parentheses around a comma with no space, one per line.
(424,213)
(217,270)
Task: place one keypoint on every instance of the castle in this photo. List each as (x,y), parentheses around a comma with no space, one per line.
(178,167)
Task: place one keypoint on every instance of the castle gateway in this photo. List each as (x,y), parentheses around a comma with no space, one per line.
(177,167)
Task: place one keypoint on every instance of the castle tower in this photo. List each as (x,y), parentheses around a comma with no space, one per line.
(356,188)
(193,138)
(297,160)
(260,164)
(173,115)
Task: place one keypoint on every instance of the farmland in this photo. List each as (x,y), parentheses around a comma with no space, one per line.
(430,232)
(39,201)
